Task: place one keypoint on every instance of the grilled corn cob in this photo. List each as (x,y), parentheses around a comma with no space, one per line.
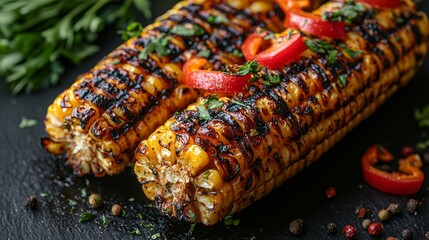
(103,116)
(202,170)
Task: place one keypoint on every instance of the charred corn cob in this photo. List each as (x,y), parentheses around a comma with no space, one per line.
(103,116)
(203,169)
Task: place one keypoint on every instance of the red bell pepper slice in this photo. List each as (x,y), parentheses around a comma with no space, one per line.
(407,181)
(314,25)
(274,52)
(385,4)
(195,76)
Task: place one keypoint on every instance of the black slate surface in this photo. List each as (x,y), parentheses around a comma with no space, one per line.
(26,169)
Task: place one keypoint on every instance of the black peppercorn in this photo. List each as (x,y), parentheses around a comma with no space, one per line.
(412,205)
(332,228)
(407,234)
(296,226)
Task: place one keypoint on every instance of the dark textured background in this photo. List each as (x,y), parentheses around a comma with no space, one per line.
(26,169)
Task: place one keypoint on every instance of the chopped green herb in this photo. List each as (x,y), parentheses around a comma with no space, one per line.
(207,104)
(349,13)
(133,30)
(151,205)
(204,53)
(191,229)
(85,216)
(104,221)
(237,53)
(124,213)
(149,226)
(72,203)
(272,79)
(43,194)
(350,52)
(332,56)
(343,79)
(136,232)
(116,61)
(158,44)
(398,19)
(239,103)
(250,67)
(228,221)
(155,236)
(83,192)
(26,123)
(217,19)
(319,46)
(192,214)
(422,145)
(87,182)
(422,116)
(131,199)
(182,30)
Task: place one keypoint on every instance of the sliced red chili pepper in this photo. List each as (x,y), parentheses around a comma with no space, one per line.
(195,76)
(274,52)
(407,181)
(314,25)
(387,4)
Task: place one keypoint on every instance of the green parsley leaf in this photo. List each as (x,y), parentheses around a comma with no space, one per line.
(124,213)
(133,30)
(72,202)
(191,229)
(348,13)
(158,44)
(250,67)
(422,116)
(239,103)
(186,31)
(87,183)
(343,80)
(217,19)
(332,56)
(272,79)
(136,232)
(191,213)
(155,236)
(319,46)
(228,221)
(237,53)
(211,102)
(37,38)
(85,216)
(204,53)
(422,145)
(350,52)
(398,19)
(204,113)
(27,123)
(83,192)
(149,226)
(104,221)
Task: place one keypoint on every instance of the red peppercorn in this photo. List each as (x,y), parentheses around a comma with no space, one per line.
(362,212)
(349,231)
(375,228)
(407,151)
(331,192)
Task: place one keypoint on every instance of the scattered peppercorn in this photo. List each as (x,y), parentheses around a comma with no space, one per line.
(407,151)
(95,200)
(31,202)
(384,215)
(331,192)
(412,205)
(349,231)
(366,223)
(407,234)
(394,208)
(332,228)
(427,235)
(362,212)
(296,226)
(116,210)
(375,228)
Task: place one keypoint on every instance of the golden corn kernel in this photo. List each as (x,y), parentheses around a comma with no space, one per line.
(209,179)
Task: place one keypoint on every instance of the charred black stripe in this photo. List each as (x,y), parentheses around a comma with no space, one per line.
(321,73)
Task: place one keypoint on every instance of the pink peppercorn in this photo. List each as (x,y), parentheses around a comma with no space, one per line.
(349,231)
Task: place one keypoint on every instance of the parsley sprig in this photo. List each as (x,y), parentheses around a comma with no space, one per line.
(36,36)
(158,44)
(349,13)
(210,103)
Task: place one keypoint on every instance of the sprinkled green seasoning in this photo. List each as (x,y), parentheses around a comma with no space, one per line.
(349,13)
(136,232)
(217,19)
(85,216)
(104,221)
(185,31)
(158,44)
(210,103)
(204,53)
(27,122)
